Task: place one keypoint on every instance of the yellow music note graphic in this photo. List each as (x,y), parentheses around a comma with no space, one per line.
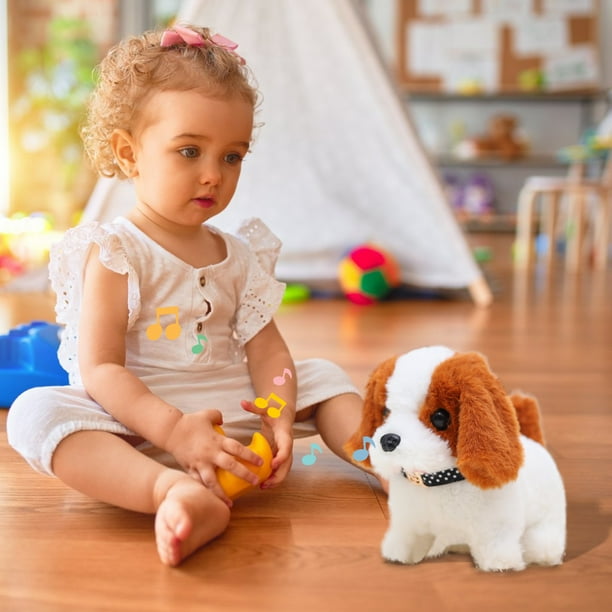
(273,411)
(173,330)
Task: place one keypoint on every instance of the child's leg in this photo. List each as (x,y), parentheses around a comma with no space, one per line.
(104,466)
(337,419)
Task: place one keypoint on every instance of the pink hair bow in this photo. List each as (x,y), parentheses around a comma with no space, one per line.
(180,34)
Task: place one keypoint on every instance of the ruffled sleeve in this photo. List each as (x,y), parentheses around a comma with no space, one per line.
(66,266)
(262,293)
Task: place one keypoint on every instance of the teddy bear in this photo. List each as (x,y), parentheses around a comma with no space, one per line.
(500,141)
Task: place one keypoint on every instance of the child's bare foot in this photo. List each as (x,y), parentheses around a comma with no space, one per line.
(188,517)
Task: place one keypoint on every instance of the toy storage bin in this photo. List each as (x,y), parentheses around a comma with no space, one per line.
(28,358)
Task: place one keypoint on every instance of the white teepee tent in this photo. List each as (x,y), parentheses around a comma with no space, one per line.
(337,161)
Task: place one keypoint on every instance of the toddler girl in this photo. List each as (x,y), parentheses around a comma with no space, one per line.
(168,320)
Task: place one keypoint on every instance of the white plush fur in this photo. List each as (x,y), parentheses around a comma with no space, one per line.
(504,528)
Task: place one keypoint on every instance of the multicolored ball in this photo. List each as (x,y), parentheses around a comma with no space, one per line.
(367,274)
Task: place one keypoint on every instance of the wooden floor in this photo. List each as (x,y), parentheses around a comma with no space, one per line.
(312,545)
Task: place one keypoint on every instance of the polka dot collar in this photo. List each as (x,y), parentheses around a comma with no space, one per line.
(434,479)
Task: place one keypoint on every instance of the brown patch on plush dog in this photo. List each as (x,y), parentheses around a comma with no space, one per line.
(484,430)
(372,416)
(528,414)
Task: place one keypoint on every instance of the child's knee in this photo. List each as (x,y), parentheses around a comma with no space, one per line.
(27,420)
(21,419)
(320,379)
(41,417)
(325,368)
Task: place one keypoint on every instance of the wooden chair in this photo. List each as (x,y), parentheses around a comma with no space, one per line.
(587,204)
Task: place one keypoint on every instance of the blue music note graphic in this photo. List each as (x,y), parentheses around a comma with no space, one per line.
(311,458)
(362,453)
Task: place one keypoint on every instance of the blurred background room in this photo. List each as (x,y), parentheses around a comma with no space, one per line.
(464,145)
(497,91)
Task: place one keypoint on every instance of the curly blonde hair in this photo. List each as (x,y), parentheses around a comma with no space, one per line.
(139,64)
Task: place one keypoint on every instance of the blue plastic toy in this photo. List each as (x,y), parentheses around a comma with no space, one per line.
(28,358)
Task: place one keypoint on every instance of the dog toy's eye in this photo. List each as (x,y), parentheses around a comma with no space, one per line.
(386,412)
(440,419)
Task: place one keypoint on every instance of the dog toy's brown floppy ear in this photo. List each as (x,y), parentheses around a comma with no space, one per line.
(489,452)
(528,414)
(372,413)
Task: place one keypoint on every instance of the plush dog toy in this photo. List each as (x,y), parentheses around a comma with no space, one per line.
(465,463)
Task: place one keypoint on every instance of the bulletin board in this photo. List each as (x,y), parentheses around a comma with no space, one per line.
(498,46)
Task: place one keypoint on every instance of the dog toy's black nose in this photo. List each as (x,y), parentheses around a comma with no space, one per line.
(389,442)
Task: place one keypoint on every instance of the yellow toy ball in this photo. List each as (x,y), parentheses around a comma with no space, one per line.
(232,485)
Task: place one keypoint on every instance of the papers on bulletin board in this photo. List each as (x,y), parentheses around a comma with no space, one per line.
(541,36)
(461,45)
(425,50)
(473,36)
(465,71)
(457,52)
(569,7)
(506,10)
(435,8)
(574,67)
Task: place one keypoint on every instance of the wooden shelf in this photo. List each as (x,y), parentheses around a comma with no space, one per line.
(496,223)
(527,96)
(530,161)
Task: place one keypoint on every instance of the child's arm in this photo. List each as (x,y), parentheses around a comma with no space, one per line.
(268,358)
(190,438)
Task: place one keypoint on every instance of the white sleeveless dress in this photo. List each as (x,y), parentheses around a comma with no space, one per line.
(187,328)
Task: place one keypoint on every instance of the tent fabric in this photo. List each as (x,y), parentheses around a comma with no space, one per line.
(337,161)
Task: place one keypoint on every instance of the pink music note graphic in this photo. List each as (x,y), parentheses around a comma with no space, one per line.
(362,453)
(280,380)
(196,349)
(311,458)
(173,330)
(273,411)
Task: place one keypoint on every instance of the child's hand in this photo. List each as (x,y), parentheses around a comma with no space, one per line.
(199,449)
(279,430)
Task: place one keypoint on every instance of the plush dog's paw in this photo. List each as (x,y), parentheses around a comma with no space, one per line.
(545,544)
(396,548)
(395,552)
(501,567)
(499,561)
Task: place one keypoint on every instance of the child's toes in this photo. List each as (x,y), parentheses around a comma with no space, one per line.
(172,527)
(189,517)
